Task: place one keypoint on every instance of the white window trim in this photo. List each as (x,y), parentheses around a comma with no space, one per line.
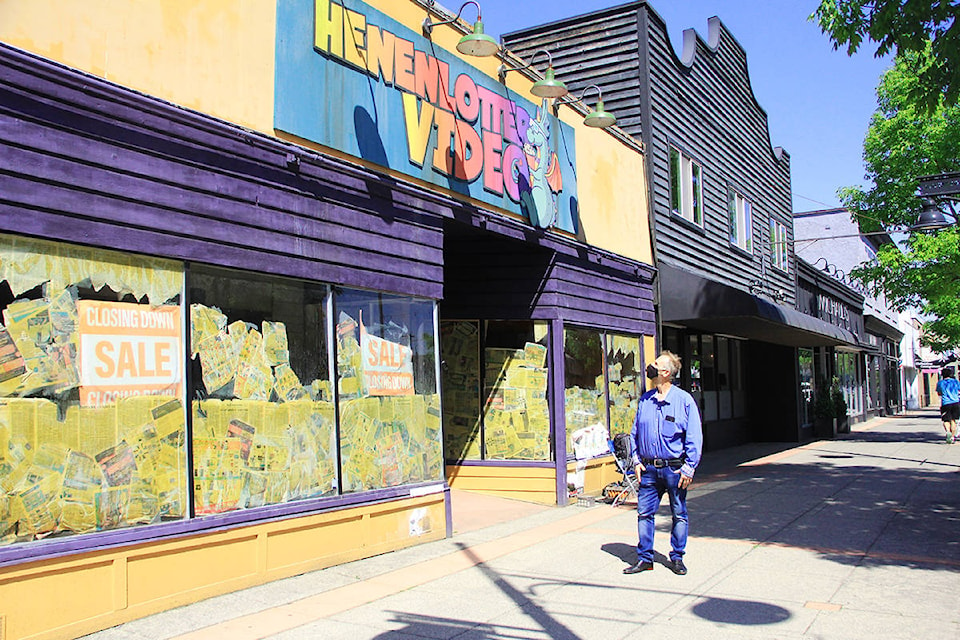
(741,230)
(689,193)
(778,245)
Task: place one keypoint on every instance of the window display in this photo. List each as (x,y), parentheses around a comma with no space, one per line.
(585,392)
(263,413)
(625,381)
(387,386)
(92,419)
(460,382)
(516,416)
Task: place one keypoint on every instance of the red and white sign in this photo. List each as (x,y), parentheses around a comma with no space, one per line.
(128,349)
(387,366)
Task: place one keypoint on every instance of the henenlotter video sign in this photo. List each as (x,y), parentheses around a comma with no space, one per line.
(351,78)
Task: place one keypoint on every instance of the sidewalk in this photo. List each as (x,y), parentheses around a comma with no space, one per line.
(857,537)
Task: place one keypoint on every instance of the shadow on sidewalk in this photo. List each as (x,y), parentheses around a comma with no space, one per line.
(852,504)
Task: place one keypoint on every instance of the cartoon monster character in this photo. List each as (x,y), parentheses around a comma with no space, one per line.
(544,169)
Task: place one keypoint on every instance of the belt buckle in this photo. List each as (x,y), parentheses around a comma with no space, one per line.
(659,463)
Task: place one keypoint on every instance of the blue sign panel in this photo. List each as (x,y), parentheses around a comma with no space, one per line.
(351,78)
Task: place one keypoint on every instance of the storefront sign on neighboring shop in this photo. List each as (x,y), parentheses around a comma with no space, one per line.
(128,349)
(351,78)
(833,311)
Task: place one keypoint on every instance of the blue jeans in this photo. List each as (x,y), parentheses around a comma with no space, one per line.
(653,484)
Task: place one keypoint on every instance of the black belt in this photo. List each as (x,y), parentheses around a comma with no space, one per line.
(660,463)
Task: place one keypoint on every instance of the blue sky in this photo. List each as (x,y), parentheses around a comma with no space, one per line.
(818,101)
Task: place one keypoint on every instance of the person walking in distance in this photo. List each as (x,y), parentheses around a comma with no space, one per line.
(949,391)
(666,443)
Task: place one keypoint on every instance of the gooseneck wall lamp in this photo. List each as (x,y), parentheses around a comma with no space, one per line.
(597,117)
(473,44)
(549,87)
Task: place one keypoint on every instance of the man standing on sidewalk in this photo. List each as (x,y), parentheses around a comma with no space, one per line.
(666,442)
(949,391)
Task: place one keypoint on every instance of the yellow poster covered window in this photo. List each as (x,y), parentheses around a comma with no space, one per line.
(92,417)
(263,412)
(387,389)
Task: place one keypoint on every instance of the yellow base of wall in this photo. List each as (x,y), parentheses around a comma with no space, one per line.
(597,474)
(532,484)
(68,597)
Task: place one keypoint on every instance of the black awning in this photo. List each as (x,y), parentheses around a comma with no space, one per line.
(709,306)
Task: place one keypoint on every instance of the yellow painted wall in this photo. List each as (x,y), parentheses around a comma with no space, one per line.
(72,596)
(217,57)
(532,484)
(598,473)
(214,56)
(612,187)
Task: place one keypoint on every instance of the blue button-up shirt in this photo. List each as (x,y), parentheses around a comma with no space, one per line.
(668,428)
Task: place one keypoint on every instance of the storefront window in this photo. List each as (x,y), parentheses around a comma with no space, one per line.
(724,394)
(584,396)
(806,386)
(873,381)
(625,381)
(387,388)
(263,413)
(516,416)
(460,384)
(92,417)
(694,370)
(709,377)
(849,381)
(736,379)
(511,419)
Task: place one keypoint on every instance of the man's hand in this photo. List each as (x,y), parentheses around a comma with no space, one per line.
(685,481)
(638,465)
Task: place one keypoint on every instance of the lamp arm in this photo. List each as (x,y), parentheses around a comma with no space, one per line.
(503,69)
(428,25)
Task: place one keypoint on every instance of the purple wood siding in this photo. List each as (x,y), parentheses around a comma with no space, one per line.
(89,162)
(491,277)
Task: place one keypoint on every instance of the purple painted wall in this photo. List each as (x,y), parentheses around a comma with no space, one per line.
(93,163)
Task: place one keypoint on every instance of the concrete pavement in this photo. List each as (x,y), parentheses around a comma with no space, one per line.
(857,537)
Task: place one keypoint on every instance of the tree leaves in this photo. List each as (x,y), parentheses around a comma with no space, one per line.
(904,142)
(930,29)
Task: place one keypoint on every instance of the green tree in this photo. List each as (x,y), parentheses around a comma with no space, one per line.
(906,141)
(903,27)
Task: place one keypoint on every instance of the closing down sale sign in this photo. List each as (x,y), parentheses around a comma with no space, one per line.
(128,349)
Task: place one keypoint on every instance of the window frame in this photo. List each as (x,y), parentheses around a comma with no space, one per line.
(740,216)
(779,256)
(686,186)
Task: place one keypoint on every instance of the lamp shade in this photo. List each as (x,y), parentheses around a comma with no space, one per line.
(478,43)
(549,87)
(931,217)
(599,117)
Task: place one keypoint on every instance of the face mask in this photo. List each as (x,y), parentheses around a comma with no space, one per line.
(652,371)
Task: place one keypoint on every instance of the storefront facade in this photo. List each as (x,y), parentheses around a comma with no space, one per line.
(827,371)
(720,205)
(269,291)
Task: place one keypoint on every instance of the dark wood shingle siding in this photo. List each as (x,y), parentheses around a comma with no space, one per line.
(89,162)
(600,49)
(703,105)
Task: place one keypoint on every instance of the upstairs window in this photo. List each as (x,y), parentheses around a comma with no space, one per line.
(778,244)
(686,187)
(741,221)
